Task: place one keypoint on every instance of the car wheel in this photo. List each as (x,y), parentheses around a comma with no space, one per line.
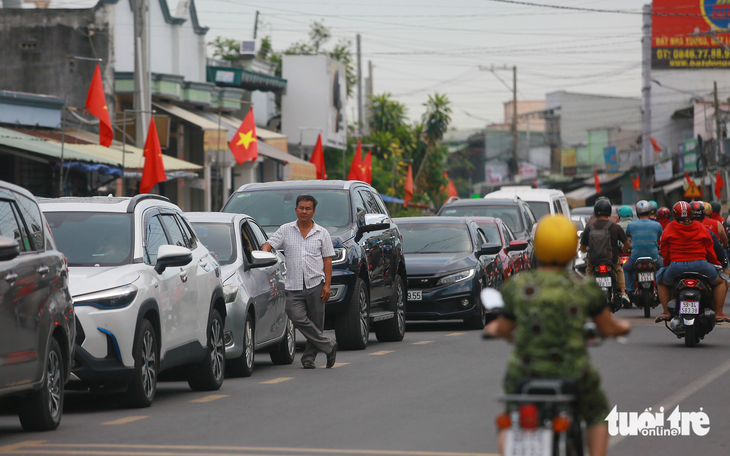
(142,388)
(480,319)
(243,365)
(208,375)
(41,410)
(394,329)
(353,328)
(284,351)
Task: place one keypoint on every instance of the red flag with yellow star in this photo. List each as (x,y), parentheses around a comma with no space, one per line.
(154,170)
(96,104)
(366,168)
(244,144)
(356,163)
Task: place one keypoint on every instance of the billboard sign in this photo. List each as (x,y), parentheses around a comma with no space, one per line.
(569,161)
(663,171)
(611,158)
(682,35)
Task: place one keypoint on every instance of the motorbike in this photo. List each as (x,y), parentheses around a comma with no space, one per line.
(605,276)
(645,280)
(692,309)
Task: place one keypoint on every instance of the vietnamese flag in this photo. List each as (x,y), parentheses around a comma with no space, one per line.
(96,104)
(408,187)
(596,181)
(356,163)
(450,187)
(154,169)
(318,159)
(367,168)
(654,144)
(636,182)
(244,144)
(719,184)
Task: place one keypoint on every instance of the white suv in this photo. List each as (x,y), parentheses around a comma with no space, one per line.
(147,294)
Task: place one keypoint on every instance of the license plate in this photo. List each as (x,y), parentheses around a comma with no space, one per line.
(529,443)
(415,295)
(603,282)
(689,307)
(646,277)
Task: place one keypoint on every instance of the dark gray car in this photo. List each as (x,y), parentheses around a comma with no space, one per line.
(37,321)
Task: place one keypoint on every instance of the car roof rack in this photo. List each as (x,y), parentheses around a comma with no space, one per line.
(136,199)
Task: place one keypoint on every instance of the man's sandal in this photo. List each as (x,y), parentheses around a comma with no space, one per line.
(308,365)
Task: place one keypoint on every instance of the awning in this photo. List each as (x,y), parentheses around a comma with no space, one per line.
(210,128)
(133,157)
(578,197)
(673,186)
(245,79)
(32,147)
(301,170)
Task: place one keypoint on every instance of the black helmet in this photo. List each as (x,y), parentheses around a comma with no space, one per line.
(602,208)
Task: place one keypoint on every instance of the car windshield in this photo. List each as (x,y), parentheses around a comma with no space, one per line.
(492,232)
(509,214)
(92,238)
(273,208)
(539,208)
(219,238)
(435,237)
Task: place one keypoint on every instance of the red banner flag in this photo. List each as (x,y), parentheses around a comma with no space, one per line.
(636,182)
(719,184)
(96,104)
(356,163)
(317,159)
(450,187)
(244,144)
(367,168)
(689,179)
(154,170)
(655,145)
(597,181)
(408,187)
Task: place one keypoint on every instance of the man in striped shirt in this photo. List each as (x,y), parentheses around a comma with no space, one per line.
(308,250)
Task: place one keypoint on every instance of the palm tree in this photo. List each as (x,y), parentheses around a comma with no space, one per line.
(386,114)
(435,123)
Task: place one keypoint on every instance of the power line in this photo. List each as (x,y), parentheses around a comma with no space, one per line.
(593,10)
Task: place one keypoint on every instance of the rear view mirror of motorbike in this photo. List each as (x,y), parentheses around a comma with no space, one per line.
(491,299)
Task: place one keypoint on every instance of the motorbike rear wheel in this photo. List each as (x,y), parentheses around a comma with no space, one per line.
(690,337)
(646,300)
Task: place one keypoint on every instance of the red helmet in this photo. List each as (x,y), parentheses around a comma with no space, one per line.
(663,213)
(681,210)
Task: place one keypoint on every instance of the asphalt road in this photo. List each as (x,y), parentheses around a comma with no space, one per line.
(433,394)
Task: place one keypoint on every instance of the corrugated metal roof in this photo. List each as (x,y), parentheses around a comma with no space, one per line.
(133,157)
(34,145)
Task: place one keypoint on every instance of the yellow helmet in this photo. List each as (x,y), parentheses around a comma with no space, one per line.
(556,240)
(707,208)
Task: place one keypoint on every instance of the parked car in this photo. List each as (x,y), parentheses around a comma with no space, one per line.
(37,323)
(147,294)
(254,290)
(369,271)
(542,201)
(513,211)
(449,262)
(513,256)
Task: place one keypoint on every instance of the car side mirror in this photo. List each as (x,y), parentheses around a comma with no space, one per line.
(580,233)
(516,246)
(373,222)
(9,248)
(172,255)
(489,249)
(262,259)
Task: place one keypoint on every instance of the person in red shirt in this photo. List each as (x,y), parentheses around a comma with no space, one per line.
(713,225)
(716,207)
(687,246)
(662,216)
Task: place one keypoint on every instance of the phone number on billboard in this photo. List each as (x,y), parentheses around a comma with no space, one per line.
(690,58)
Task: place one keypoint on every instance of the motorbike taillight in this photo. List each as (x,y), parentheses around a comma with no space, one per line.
(528,416)
(690,282)
(561,423)
(645,266)
(503,421)
(603,268)
(624,260)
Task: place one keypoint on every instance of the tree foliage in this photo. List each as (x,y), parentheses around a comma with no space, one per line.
(225,48)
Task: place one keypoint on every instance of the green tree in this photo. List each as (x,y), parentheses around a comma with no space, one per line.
(436,122)
(385,113)
(225,48)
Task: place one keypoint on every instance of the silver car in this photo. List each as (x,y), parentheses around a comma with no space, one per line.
(253,284)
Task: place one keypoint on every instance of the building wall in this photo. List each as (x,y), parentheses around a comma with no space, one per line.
(524,106)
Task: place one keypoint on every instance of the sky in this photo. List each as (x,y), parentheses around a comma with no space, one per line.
(464,49)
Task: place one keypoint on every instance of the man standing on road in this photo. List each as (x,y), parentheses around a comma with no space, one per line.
(309,251)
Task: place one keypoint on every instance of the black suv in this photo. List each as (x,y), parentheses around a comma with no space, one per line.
(514,212)
(37,320)
(369,270)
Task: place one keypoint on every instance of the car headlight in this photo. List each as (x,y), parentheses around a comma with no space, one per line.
(340,256)
(456,277)
(230,291)
(115,298)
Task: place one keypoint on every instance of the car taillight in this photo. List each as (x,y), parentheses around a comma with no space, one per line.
(690,282)
(603,268)
(561,423)
(503,421)
(528,416)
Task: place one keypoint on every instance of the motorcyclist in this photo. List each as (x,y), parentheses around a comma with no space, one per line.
(625,215)
(654,208)
(687,246)
(602,211)
(663,215)
(698,214)
(716,208)
(548,329)
(645,235)
(713,225)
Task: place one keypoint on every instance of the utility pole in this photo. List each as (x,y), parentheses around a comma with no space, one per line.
(256,25)
(718,136)
(516,166)
(142,102)
(359,88)
(646,150)
(368,95)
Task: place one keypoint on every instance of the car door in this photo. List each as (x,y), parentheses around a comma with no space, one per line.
(389,242)
(372,244)
(271,284)
(516,258)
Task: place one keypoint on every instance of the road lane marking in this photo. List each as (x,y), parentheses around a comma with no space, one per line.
(195,450)
(456,334)
(277,380)
(212,397)
(674,400)
(334,366)
(423,342)
(17,446)
(382,352)
(126,420)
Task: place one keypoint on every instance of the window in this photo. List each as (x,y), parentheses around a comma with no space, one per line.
(508,235)
(529,220)
(370,202)
(258,233)
(435,238)
(33,221)
(219,239)
(509,214)
(248,241)
(9,226)
(174,233)
(557,208)
(154,238)
(481,236)
(93,238)
(491,232)
(187,231)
